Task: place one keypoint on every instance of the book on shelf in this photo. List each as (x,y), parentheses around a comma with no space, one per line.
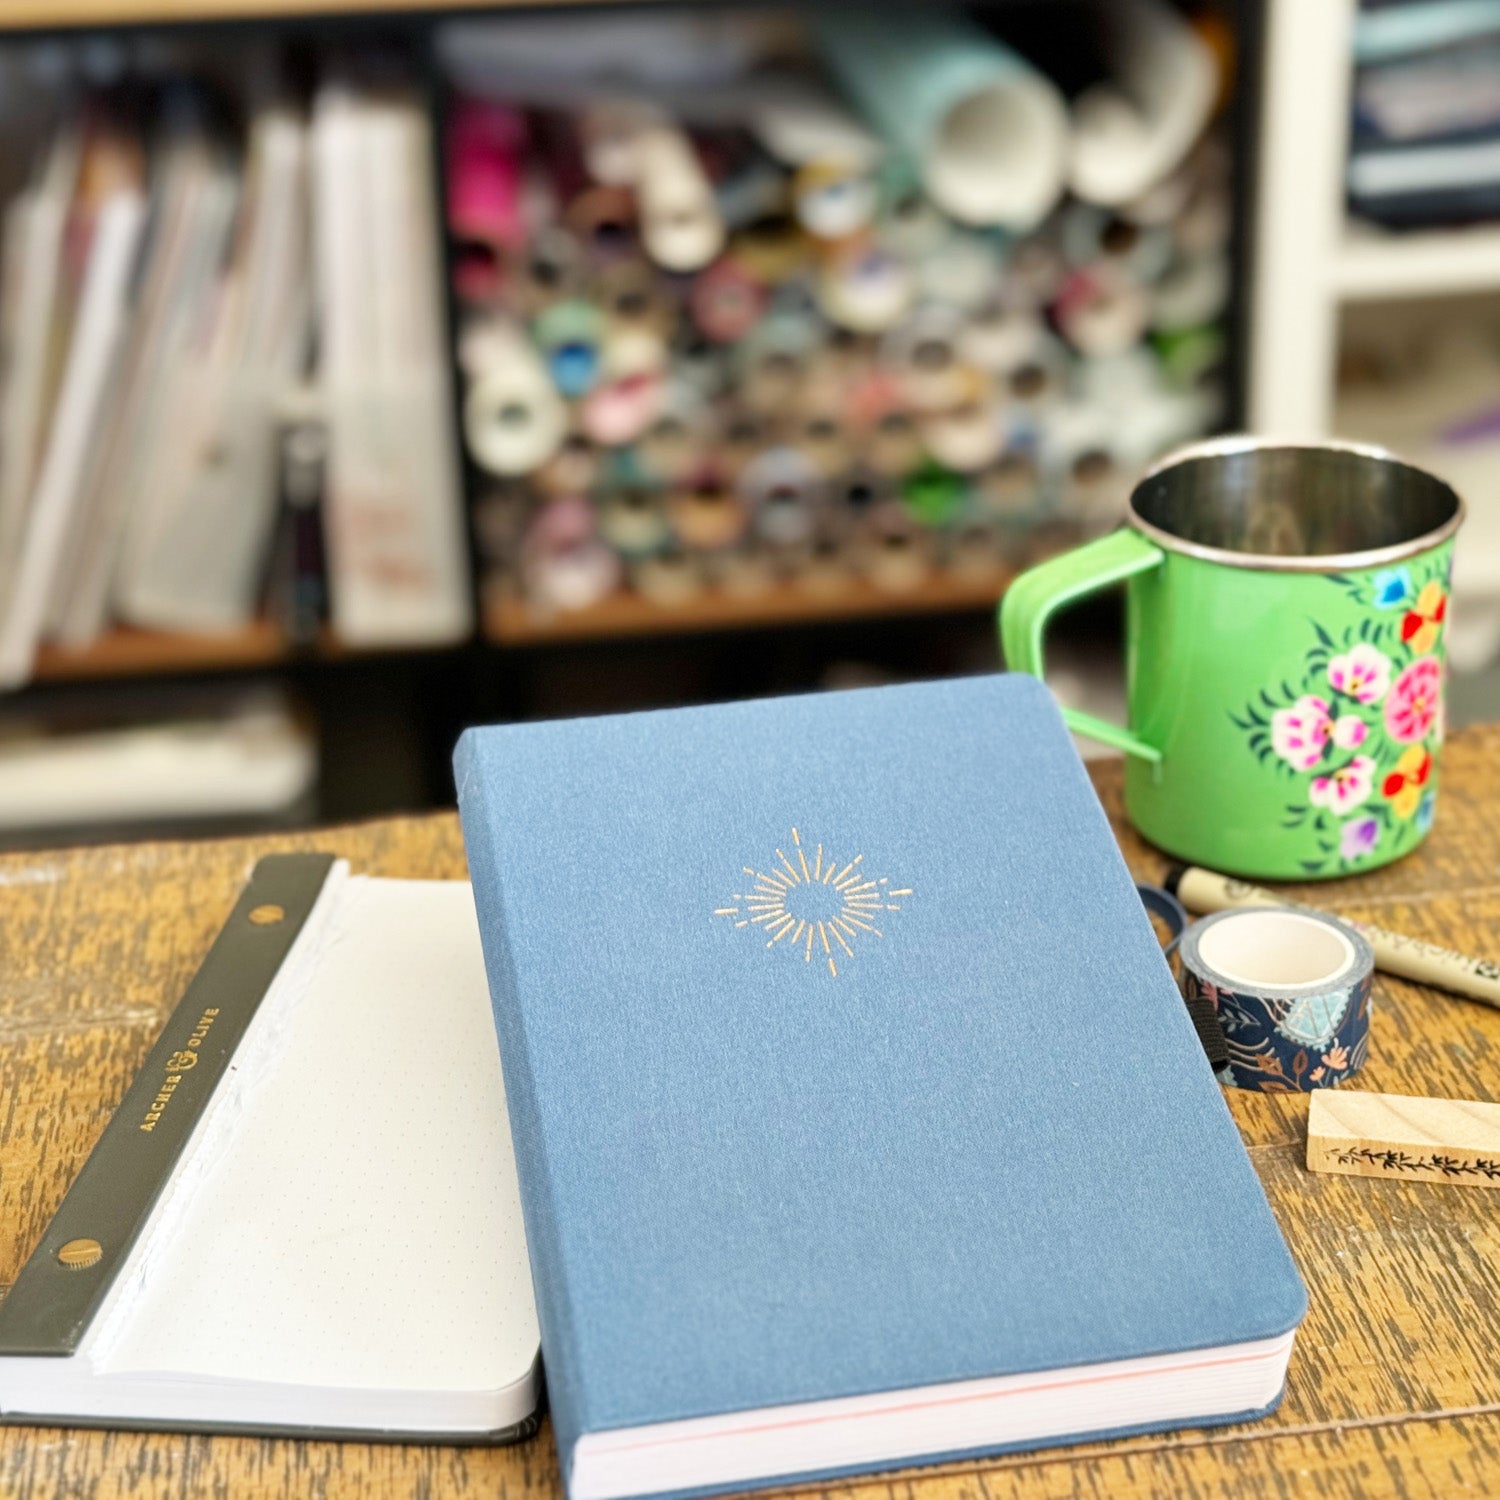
(151,346)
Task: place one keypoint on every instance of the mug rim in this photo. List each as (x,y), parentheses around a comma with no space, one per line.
(1323,562)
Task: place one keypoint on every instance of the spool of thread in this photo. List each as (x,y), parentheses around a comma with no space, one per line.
(1291,992)
(782,491)
(680,224)
(833,200)
(988,134)
(569,335)
(603,219)
(634,522)
(513,418)
(864,287)
(672,578)
(565,566)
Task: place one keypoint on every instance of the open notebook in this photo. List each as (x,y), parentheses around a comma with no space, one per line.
(316,1226)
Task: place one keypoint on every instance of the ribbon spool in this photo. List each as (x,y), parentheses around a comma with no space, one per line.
(1291,993)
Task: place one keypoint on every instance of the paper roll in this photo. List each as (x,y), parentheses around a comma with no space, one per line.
(672,578)
(864,287)
(565,566)
(568,335)
(968,435)
(634,522)
(707,515)
(1102,310)
(604,221)
(620,410)
(962,270)
(832,200)
(783,491)
(1001,336)
(1130,133)
(933,495)
(485,149)
(728,300)
(1291,991)
(923,353)
(609,134)
(987,133)
(513,418)
(680,224)
(891,552)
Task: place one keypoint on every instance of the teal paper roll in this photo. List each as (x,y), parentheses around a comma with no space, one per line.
(987,133)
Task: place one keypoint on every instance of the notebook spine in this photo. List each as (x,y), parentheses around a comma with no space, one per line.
(544,1245)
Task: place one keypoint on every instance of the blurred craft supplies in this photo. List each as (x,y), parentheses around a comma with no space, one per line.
(813,302)
(1408,957)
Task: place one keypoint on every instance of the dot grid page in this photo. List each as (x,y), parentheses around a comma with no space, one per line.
(361,1226)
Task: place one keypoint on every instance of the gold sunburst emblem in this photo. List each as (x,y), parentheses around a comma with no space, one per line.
(815,907)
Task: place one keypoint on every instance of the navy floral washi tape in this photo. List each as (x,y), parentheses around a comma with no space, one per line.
(1291,990)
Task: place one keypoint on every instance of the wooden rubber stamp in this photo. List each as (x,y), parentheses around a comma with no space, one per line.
(1455,1141)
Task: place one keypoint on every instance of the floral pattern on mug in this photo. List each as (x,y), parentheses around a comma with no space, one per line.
(1356,723)
(1412,708)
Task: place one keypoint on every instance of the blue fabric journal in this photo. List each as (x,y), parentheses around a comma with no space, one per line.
(842,1058)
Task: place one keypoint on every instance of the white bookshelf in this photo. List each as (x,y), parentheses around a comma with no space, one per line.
(1309,259)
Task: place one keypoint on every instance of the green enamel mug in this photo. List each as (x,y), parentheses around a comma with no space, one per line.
(1285,621)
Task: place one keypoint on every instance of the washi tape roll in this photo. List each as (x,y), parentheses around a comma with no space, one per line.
(1291,990)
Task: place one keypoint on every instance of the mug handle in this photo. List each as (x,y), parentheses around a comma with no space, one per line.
(1030,602)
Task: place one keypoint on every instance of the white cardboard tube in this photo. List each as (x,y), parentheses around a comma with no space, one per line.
(987,133)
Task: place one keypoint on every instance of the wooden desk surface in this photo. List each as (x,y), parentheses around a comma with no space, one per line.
(1395,1381)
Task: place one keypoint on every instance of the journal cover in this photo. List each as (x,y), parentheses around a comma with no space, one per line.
(842,1058)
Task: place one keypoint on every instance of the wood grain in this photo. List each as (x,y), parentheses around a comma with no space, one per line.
(512,622)
(22,15)
(1394,1386)
(1454,1142)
